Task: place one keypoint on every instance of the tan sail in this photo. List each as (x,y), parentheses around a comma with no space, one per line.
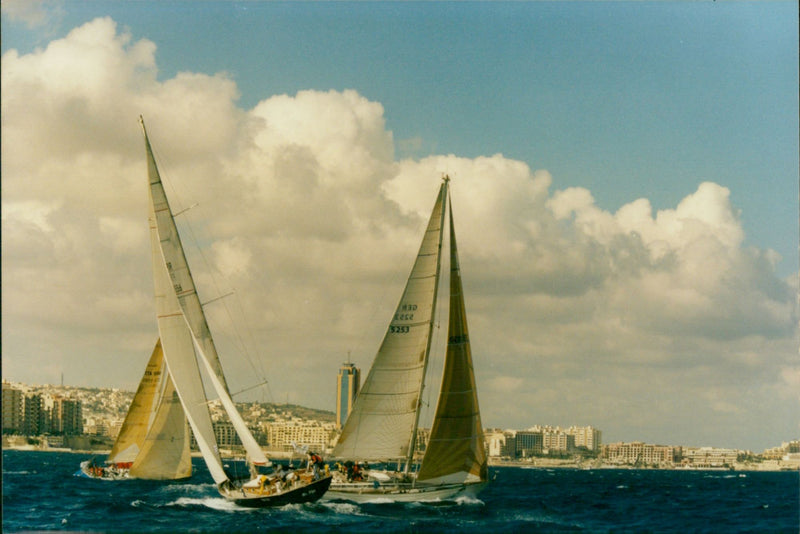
(456,451)
(385,415)
(165,454)
(131,436)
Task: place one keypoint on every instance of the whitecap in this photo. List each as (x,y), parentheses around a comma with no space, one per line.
(343,508)
(469,499)
(379,500)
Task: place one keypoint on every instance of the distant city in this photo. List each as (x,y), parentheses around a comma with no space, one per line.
(46,417)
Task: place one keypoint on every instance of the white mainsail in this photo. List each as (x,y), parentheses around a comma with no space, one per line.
(254,452)
(183,328)
(383,423)
(176,338)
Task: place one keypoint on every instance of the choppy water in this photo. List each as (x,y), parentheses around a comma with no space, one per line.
(40,492)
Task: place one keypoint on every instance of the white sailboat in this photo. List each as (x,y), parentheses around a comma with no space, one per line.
(153,442)
(382,427)
(186,339)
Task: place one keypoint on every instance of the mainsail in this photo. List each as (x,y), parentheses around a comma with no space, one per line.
(383,423)
(456,451)
(183,327)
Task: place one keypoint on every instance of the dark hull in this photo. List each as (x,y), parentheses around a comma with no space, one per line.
(308,493)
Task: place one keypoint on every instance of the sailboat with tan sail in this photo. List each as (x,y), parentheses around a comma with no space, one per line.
(153,442)
(382,428)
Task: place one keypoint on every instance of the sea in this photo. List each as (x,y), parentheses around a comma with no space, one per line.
(42,493)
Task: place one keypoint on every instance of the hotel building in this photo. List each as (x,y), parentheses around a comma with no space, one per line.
(347,384)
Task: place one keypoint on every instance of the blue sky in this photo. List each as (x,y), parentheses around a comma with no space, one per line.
(629,99)
(623,172)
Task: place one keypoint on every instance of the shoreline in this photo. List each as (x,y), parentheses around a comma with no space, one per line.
(536,463)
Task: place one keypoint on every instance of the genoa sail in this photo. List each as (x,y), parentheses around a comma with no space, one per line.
(383,423)
(456,451)
(154,437)
(165,453)
(134,428)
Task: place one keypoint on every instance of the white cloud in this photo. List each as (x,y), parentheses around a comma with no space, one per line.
(32,12)
(305,210)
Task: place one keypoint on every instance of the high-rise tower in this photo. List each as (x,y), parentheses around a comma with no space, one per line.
(347,384)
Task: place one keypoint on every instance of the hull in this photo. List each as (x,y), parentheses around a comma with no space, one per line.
(302,492)
(362,492)
(102,473)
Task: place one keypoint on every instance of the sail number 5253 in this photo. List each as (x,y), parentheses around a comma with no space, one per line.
(399,329)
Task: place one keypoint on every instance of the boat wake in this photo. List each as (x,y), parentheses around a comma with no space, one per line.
(215,503)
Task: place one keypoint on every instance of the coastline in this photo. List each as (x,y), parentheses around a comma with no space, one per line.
(552,463)
(533,463)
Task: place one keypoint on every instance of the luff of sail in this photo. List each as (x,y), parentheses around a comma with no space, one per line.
(456,452)
(134,428)
(176,337)
(385,415)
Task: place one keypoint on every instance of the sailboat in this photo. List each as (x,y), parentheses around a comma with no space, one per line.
(382,428)
(153,442)
(186,340)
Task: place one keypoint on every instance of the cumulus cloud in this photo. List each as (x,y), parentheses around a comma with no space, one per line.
(305,211)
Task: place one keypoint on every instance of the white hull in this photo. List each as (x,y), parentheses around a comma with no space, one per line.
(364,492)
